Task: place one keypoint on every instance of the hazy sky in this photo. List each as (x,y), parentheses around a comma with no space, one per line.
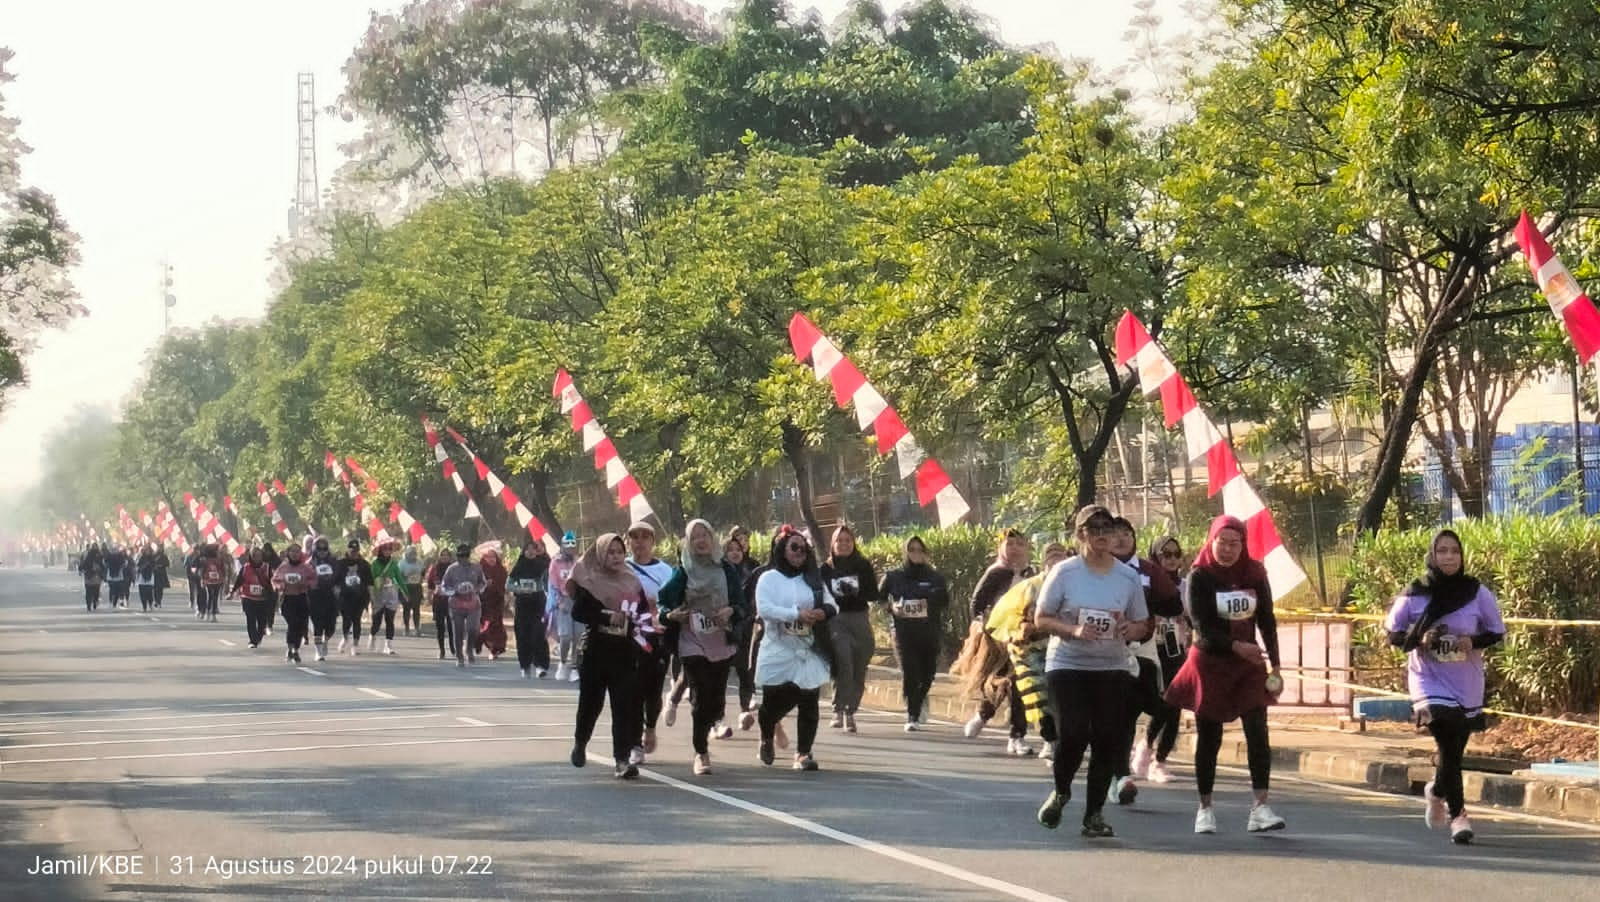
(166,131)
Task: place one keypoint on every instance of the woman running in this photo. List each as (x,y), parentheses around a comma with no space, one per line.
(273,560)
(213,577)
(294,580)
(323,596)
(1226,674)
(1443,622)
(386,582)
(854,584)
(463,584)
(252,587)
(1092,606)
(434,585)
(704,596)
(492,628)
(93,570)
(1169,640)
(558,610)
(527,581)
(412,568)
(918,596)
(1011,566)
(604,590)
(793,601)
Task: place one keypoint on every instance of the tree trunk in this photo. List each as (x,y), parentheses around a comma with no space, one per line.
(669,438)
(539,501)
(799,457)
(1088,455)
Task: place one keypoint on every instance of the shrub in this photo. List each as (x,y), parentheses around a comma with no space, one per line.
(1538,567)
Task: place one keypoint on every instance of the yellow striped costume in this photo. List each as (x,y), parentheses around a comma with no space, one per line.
(1008,622)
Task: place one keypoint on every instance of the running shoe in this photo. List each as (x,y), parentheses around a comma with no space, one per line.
(1262,819)
(627,771)
(572,675)
(578,757)
(911,726)
(1139,764)
(747,719)
(1205,820)
(722,731)
(1159,772)
(838,720)
(849,722)
(540,672)
(974,726)
(1095,827)
(1019,747)
(296,654)
(1050,811)
(702,765)
(1124,791)
(765,753)
(672,713)
(388,647)
(636,756)
(1435,812)
(525,673)
(805,762)
(1461,830)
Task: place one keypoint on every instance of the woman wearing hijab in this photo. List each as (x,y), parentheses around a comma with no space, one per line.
(1443,622)
(850,577)
(386,582)
(1226,674)
(792,600)
(704,597)
(918,596)
(434,581)
(605,594)
(253,587)
(272,559)
(492,630)
(558,610)
(527,581)
(1011,566)
(93,570)
(412,568)
(1169,639)
(463,585)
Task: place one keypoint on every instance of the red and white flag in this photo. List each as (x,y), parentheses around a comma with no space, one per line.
(449,468)
(167,525)
(249,531)
(271,507)
(874,414)
(500,490)
(1561,290)
(130,529)
(1205,441)
(374,526)
(629,495)
(397,512)
(210,526)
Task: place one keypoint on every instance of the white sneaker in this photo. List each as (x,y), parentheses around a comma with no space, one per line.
(1139,764)
(539,672)
(722,731)
(1020,748)
(525,673)
(973,726)
(1461,830)
(702,765)
(1123,791)
(747,719)
(838,720)
(561,671)
(572,675)
(1159,772)
(355,648)
(1263,819)
(911,726)
(343,643)
(1435,813)
(636,757)
(1205,821)
(1047,753)
(672,713)
(388,647)
(372,643)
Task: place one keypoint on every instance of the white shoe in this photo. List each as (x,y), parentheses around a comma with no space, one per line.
(1263,819)
(572,675)
(1461,830)
(747,719)
(343,643)
(1205,821)
(702,765)
(1139,764)
(911,726)
(973,727)
(1123,791)
(838,720)
(1019,747)
(525,673)
(636,757)
(1435,813)
(372,643)
(1047,753)
(722,731)
(354,648)
(388,647)
(539,672)
(561,671)
(849,723)
(1159,772)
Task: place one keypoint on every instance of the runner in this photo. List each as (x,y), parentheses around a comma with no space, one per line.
(603,588)
(1443,622)
(794,604)
(1161,599)
(253,587)
(387,579)
(492,629)
(1010,567)
(1091,606)
(412,569)
(323,600)
(191,568)
(653,573)
(463,584)
(918,596)
(1025,646)
(213,577)
(352,577)
(93,570)
(273,560)
(705,597)
(293,579)
(854,584)
(736,553)
(527,584)
(1170,639)
(558,609)
(1226,674)
(433,583)
(119,576)
(151,572)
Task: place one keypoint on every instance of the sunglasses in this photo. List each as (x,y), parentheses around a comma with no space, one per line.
(795,547)
(1098,528)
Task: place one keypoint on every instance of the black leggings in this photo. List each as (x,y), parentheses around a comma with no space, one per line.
(296,614)
(1162,733)
(441,623)
(324,617)
(652,682)
(1146,698)
(91,596)
(350,610)
(778,701)
(1258,750)
(1091,711)
(918,651)
(709,680)
(384,615)
(1019,712)
(209,596)
(608,668)
(411,607)
(744,666)
(255,618)
(1450,733)
(533,649)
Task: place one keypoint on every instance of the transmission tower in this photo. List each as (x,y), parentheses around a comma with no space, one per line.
(307,193)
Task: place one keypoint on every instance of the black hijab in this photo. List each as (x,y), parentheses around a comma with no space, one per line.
(780,562)
(1445,594)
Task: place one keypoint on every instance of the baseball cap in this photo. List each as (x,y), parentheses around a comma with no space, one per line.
(1092,512)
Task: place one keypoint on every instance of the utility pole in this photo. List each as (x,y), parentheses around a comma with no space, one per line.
(307,191)
(168,299)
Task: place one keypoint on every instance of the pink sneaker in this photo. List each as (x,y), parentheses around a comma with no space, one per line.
(1436,813)
(1159,773)
(1461,830)
(1139,765)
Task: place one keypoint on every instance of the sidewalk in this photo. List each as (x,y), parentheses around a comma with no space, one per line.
(1315,748)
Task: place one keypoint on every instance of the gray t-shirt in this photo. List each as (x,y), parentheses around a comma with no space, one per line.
(1077,594)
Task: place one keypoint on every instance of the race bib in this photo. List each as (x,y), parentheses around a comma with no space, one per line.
(609,630)
(1104,621)
(845,584)
(213,575)
(1236,604)
(524,586)
(291,579)
(352,579)
(911,608)
(797,629)
(255,590)
(702,624)
(1447,652)
(324,569)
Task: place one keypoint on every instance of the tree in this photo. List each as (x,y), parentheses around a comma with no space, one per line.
(37,249)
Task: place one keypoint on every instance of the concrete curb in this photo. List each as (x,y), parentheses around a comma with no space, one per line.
(1379,769)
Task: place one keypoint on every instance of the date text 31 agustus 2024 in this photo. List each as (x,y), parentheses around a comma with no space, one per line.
(133,865)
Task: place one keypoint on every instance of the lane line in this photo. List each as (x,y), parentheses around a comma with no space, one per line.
(62,713)
(474,722)
(212,726)
(228,642)
(290,750)
(866,845)
(311,671)
(376,693)
(221,737)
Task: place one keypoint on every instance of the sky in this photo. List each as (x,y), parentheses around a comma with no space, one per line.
(166,131)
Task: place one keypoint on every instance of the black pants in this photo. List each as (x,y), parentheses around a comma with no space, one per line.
(1145,698)
(296,615)
(119,590)
(744,665)
(709,682)
(652,675)
(324,615)
(411,607)
(147,597)
(351,606)
(1091,710)
(272,609)
(195,593)
(91,596)
(441,623)
(1208,741)
(1162,733)
(255,618)
(778,701)
(208,598)
(533,649)
(384,615)
(610,668)
(1450,733)
(918,651)
(159,590)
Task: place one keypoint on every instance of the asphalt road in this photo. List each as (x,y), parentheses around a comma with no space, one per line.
(186,766)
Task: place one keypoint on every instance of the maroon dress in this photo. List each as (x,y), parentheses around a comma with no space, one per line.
(1213,682)
(492,631)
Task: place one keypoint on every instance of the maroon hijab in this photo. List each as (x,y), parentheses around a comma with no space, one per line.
(1244,571)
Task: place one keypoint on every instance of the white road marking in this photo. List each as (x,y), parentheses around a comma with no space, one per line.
(63,713)
(376,693)
(210,726)
(474,722)
(866,845)
(211,753)
(220,737)
(228,642)
(310,671)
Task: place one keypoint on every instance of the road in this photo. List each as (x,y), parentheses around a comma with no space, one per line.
(213,770)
